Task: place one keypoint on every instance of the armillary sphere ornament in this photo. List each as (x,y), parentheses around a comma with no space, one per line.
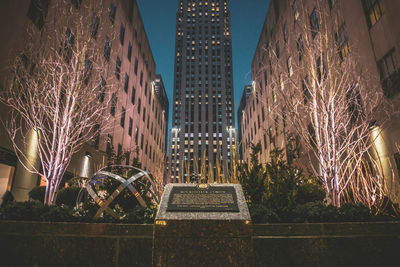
(126,182)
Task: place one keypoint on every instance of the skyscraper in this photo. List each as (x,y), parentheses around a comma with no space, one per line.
(202,135)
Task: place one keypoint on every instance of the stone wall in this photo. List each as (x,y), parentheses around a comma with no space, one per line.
(86,244)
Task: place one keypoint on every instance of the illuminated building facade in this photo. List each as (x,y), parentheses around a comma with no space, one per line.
(140,109)
(203,131)
(366,27)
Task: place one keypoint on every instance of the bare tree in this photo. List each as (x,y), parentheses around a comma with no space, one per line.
(323,95)
(60,89)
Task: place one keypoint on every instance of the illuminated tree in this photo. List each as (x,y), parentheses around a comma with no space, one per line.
(325,96)
(60,89)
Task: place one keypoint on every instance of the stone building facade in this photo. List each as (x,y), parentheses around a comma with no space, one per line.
(363,28)
(139,121)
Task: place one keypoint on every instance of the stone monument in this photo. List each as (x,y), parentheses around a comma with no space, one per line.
(202,225)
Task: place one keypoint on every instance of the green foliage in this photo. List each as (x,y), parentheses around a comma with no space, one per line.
(281,193)
(77,181)
(67,196)
(30,210)
(37,193)
(84,212)
(261,213)
(287,186)
(141,215)
(7,198)
(253,177)
(278,185)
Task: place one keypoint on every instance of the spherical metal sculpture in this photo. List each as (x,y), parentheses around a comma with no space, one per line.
(125,182)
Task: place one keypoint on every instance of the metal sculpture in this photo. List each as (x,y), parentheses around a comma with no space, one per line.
(126,182)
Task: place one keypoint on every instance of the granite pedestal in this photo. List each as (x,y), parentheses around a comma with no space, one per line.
(202,235)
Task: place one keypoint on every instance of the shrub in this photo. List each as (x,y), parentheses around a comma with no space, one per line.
(141,215)
(7,198)
(57,214)
(28,211)
(37,193)
(354,213)
(253,177)
(68,196)
(261,214)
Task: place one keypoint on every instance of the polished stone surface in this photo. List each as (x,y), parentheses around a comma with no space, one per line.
(183,238)
(243,213)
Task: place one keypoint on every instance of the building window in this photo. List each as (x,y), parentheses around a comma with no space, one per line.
(119,151)
(300,47)
(37,12)
(129,52)
(397,160)
(94,25)
(374,10)
(289,66)
(127,158)
(87,70)
(139,105)
(68,44)
(114,100)
(126,83)
(130,127)
(144,114)
(122,34)
(136,135)
(306,90)
(265,141)
(136,66)
(273,94)
(295,10)
(141,141)
(285,32)
(113,11)
(96,140)
(133,95)
(331,3)
(118,68)
(76,3)
(321,67)
(101,93)
(122,122)
(141,78)
(107,49)
(390,74)
(314,23)
(355,105)
(109,146)
(342,40)
(263,113)
(277,49)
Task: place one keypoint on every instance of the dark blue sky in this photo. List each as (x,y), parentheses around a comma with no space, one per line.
(247,18)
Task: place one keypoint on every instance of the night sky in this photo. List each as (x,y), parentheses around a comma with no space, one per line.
(159,17)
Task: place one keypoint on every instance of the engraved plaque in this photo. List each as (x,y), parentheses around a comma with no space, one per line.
(203,199)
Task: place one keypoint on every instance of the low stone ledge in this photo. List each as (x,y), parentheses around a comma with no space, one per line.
(104,244)
(326,229)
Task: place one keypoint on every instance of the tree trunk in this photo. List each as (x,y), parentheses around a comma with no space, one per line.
(51,190)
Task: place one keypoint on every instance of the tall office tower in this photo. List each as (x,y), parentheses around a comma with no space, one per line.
(202,135)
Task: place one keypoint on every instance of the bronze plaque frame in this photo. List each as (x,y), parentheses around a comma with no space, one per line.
(203,199)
